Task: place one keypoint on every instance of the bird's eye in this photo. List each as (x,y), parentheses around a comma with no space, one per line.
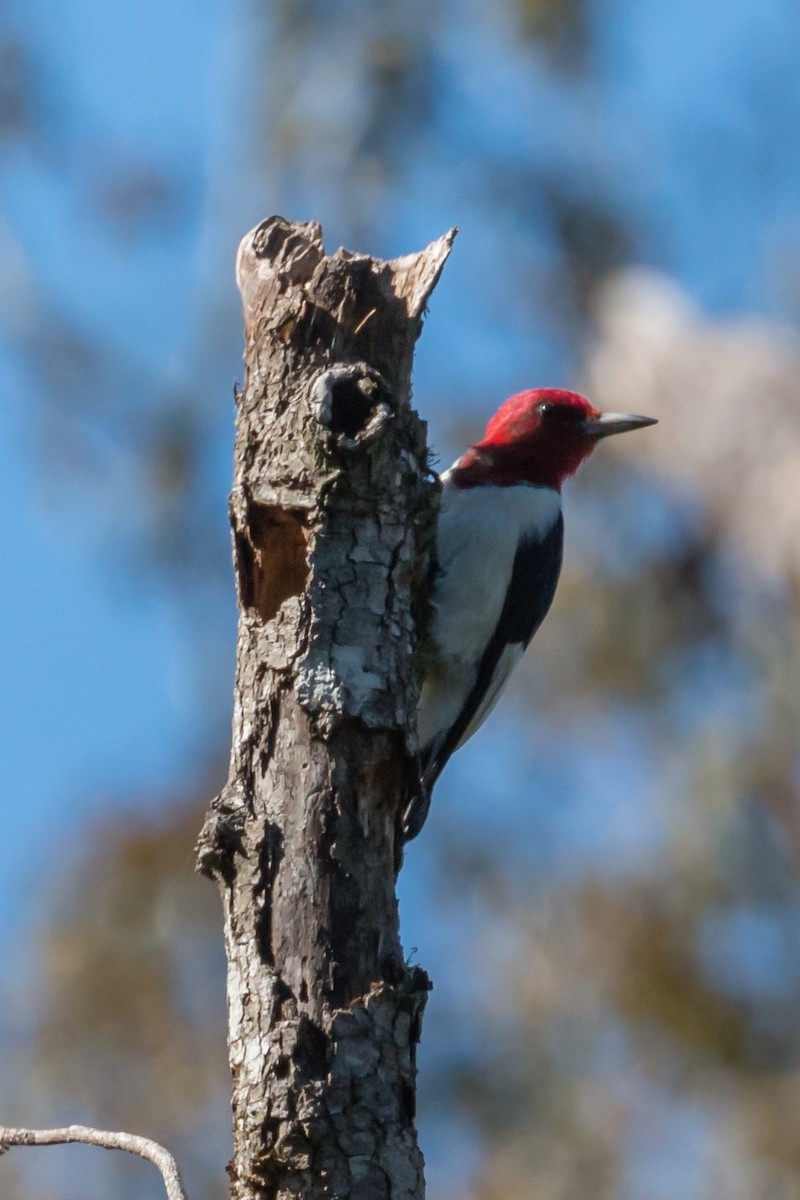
(562,413)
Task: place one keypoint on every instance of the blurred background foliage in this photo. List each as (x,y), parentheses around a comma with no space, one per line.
(606,893)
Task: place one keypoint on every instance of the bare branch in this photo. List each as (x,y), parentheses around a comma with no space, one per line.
(144,1147)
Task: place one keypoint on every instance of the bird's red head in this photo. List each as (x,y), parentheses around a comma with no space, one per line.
(539,437)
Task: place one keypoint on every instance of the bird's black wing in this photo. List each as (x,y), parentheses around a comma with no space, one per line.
(534,576)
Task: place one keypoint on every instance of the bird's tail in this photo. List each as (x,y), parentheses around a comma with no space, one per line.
(415,812)
(418,802)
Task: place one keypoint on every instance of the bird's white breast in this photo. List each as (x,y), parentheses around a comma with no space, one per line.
(478,532)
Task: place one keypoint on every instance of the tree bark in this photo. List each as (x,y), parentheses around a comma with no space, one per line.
(331,508)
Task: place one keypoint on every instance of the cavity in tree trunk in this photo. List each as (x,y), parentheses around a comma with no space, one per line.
(332,507)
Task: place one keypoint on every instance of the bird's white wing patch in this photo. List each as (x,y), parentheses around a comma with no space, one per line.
(506,664)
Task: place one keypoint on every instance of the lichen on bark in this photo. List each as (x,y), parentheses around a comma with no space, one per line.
(331,508)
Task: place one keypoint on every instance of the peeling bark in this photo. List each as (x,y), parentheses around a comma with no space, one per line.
(331,511)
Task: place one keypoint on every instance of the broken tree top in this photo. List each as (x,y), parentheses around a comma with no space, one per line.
(280,254)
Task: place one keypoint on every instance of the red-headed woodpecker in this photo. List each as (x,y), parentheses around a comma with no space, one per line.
(497,561)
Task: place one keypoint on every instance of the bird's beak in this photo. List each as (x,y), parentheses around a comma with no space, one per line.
(604,424)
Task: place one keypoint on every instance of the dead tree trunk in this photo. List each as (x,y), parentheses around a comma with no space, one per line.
(331,508)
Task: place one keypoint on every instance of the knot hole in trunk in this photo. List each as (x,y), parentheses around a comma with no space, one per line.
(352,402)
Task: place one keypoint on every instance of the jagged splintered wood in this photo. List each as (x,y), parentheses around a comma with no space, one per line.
(331,508)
